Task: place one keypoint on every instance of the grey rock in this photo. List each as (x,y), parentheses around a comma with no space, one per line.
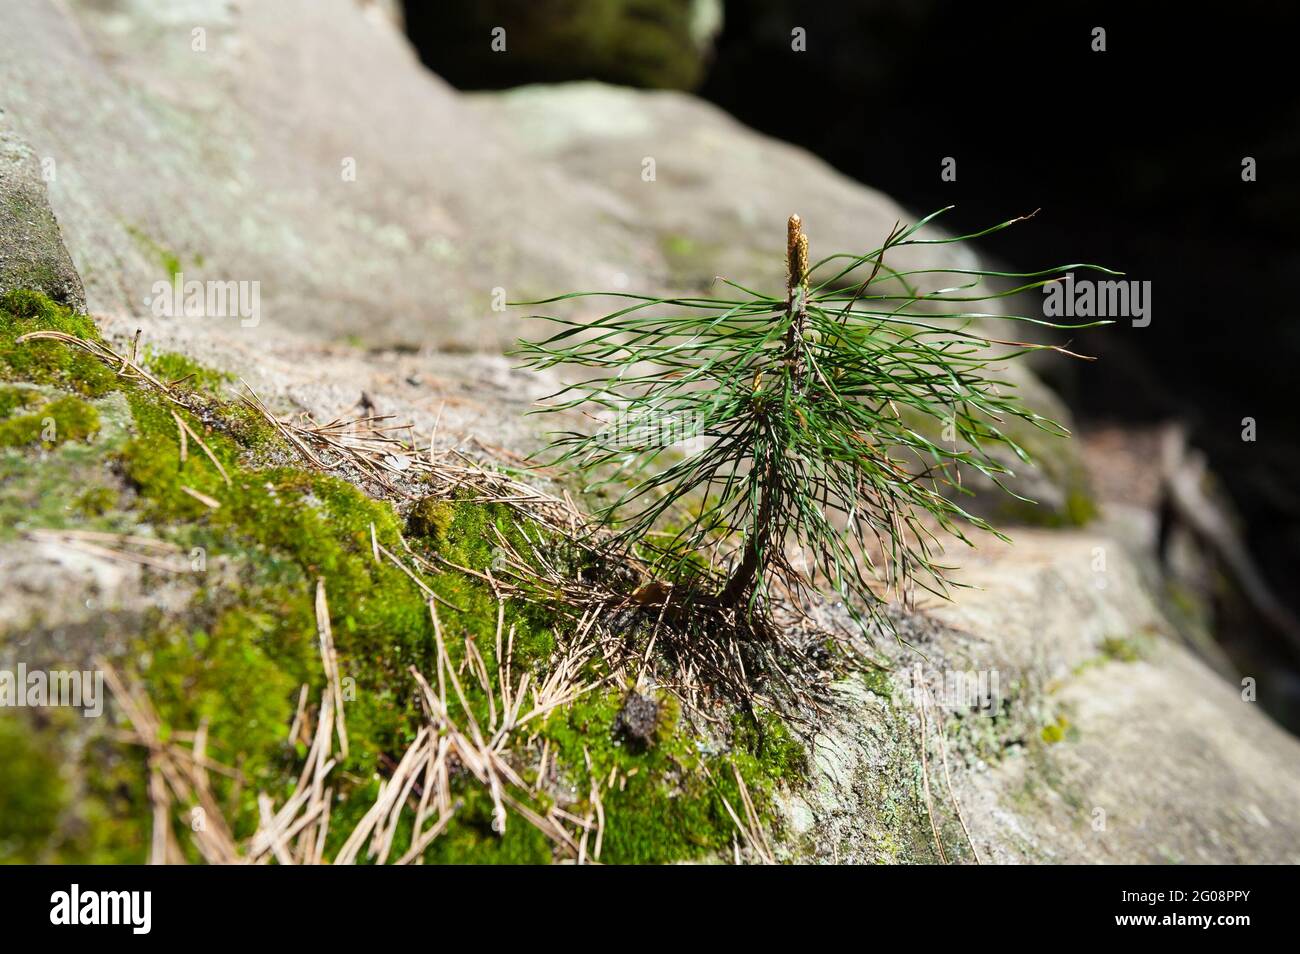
(230,143)
(32,254)
(1140,756)
(720,194)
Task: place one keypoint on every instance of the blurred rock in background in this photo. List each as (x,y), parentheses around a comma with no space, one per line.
(482,44)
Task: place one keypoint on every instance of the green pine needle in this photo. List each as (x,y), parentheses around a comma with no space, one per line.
(790,421)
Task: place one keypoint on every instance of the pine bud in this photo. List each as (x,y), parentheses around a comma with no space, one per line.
(794,234)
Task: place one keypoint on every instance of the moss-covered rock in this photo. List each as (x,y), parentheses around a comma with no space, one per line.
(236,651)
(23,311)
(31,791)
(12,399)
(652,43)
(64,419)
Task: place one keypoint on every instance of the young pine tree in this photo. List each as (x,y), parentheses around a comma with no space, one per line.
(810,441)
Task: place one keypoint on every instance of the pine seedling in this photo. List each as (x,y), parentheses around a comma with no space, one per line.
(758,446)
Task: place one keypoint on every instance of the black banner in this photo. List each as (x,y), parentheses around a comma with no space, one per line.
(961,904)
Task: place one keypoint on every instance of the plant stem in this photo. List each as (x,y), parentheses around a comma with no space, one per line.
(742,579)
(743,576)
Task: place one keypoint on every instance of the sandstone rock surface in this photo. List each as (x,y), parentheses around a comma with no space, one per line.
(227,163)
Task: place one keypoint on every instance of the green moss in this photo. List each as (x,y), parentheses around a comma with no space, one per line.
(678,245)
(247,427)
(879,682)
(668,801)
(96,501)
(165,257)
(64,419)
(658,808)
(44,361)
(13,399)
(316,525)
(432,517)
(777,755)
(1116,649)
(185,374)
(1121,649)
(1080,508)
(466,534)
(65,486)
(652,43)
(471,839)
(54,814)
(1058,730)
(237,656)
(242,671)
(32,792)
